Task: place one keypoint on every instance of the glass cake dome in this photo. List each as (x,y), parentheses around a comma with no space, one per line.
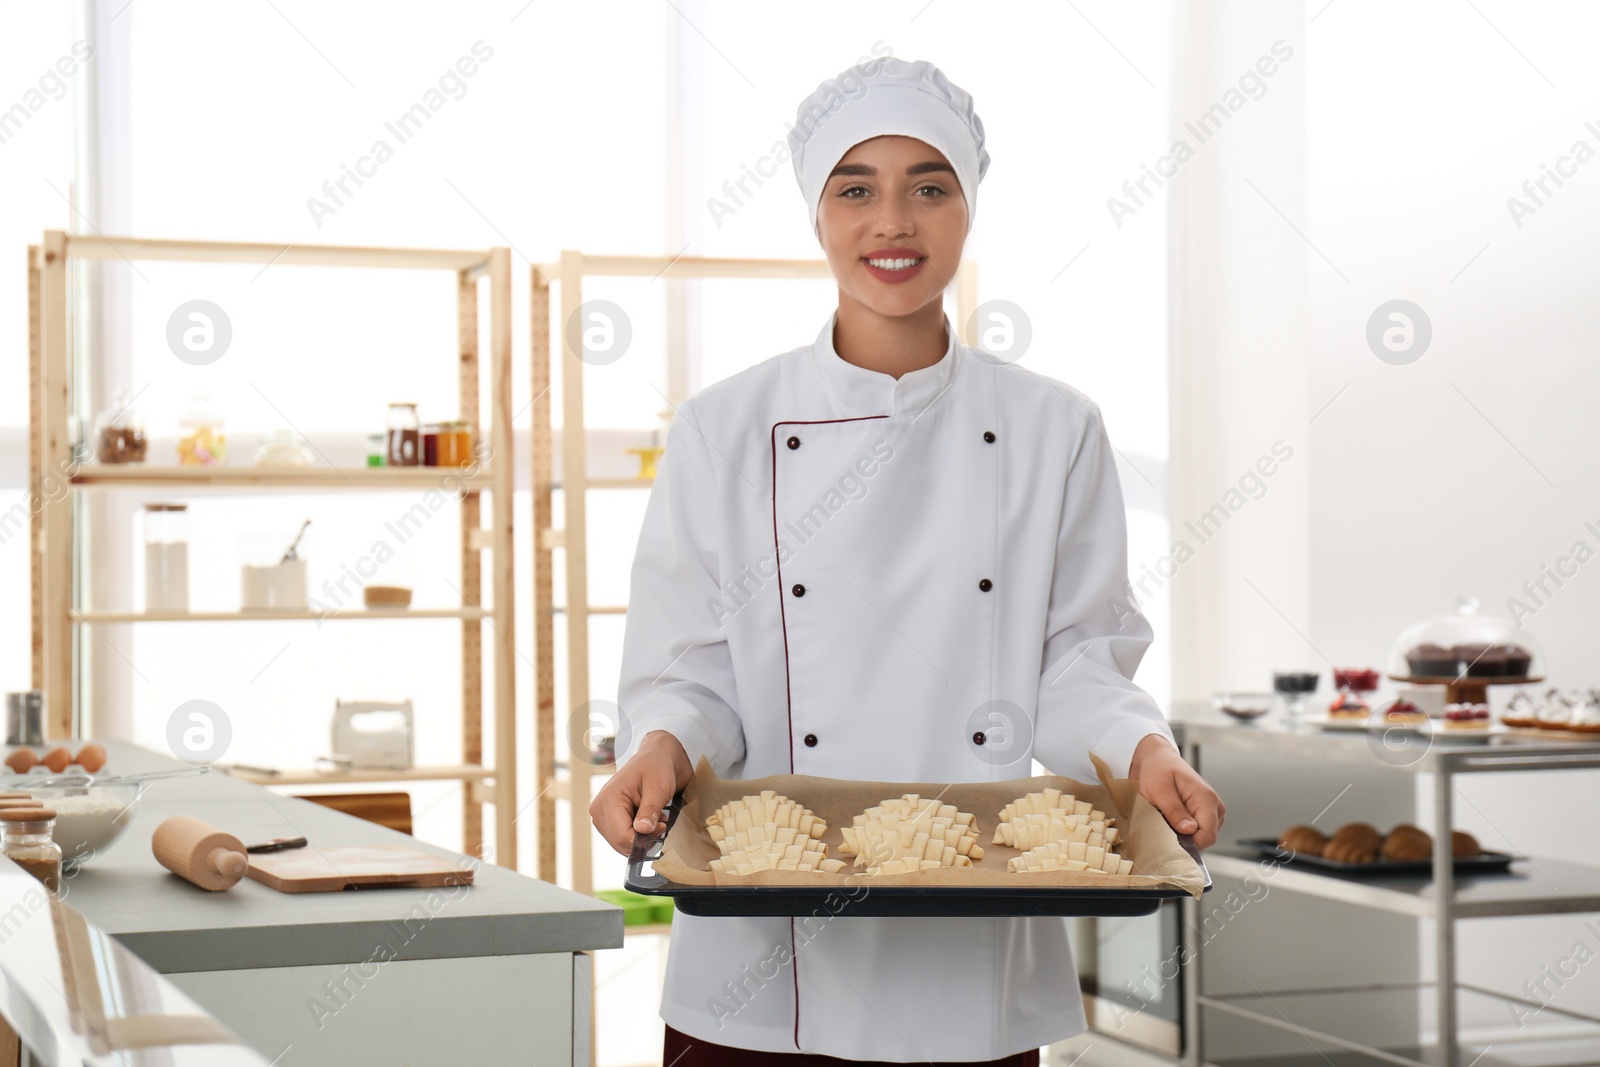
(1464,645)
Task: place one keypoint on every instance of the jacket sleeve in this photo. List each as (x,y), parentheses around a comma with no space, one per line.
(677,674)
(1094,638)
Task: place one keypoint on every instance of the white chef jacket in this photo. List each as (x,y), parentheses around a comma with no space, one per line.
(845,574)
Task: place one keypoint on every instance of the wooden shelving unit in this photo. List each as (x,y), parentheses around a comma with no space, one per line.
(57,608)
(575,786)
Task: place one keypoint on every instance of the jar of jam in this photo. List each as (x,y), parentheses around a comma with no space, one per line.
(405,436)
(455,444)
(27,839)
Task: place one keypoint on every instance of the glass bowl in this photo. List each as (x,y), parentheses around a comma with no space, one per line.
(89,818)
(1243,706)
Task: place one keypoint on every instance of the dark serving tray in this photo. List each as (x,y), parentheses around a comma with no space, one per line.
(1488,863)
(890,899)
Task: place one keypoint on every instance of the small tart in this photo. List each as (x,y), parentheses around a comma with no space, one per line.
(1404,711)
(1466,716)
(1348,706)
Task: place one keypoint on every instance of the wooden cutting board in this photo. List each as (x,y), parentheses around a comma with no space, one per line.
(314,870)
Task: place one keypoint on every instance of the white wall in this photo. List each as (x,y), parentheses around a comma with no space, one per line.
(1465,472)
(1470,469)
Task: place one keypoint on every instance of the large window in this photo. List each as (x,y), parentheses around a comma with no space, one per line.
(476,127)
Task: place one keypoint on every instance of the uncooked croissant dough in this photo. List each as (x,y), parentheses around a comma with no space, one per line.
(909,834)
(1059,832)
(768,832)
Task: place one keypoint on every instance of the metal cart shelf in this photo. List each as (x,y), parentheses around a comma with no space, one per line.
(1534,886)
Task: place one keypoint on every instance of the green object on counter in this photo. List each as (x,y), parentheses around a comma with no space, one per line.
(637,909)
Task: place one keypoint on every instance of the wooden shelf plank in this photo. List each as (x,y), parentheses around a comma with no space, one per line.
(610,483)
(203,476)
(694,267)
(98,246)
(462,773)
(469,614)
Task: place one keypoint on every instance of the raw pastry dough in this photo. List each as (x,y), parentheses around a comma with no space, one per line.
(1059,832)
(1070,856)
(765,831)
(908,834)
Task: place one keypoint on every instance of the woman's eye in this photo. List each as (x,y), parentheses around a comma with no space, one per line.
(849,189)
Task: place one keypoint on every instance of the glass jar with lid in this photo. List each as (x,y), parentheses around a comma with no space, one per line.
(166,557)
(405,436)
(203,441)
(119,432)
(283,448)
(455,443)
(27,838)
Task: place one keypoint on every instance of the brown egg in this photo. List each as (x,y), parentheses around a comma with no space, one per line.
(91,757)
(56,759)
(22,759)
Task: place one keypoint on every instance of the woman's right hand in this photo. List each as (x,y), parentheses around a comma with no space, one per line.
(632,800)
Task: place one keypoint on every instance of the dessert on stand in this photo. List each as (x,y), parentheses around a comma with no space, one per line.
(1466,653)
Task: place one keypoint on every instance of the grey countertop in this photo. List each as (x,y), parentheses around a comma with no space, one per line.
(177,927)
(1274,734)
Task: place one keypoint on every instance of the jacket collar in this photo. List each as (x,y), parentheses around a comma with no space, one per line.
(868,392)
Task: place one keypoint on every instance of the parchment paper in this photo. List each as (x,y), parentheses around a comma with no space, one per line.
(1146,839)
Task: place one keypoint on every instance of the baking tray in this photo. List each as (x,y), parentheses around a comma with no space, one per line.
(892,899)
(1488,863)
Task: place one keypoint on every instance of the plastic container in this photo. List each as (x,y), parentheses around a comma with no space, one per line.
(637,909)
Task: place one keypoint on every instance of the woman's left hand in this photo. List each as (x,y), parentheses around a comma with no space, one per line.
(1177,791)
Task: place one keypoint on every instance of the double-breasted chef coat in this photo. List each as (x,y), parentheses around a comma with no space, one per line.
(849,575)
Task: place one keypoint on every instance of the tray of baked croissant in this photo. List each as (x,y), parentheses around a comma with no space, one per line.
(788,844)
(1361,848)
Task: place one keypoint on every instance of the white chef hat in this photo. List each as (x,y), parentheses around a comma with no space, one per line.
(880,97)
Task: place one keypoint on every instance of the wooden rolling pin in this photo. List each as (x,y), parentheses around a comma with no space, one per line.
(210,858)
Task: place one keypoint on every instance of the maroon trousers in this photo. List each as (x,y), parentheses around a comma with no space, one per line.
(681,1050)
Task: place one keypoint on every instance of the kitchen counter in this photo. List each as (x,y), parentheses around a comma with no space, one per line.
(175,926)
(294,969)
(72,995)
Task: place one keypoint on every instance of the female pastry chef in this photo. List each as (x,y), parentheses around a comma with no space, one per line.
(884,556)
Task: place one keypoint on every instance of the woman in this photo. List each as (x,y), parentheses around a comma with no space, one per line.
(883,556)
